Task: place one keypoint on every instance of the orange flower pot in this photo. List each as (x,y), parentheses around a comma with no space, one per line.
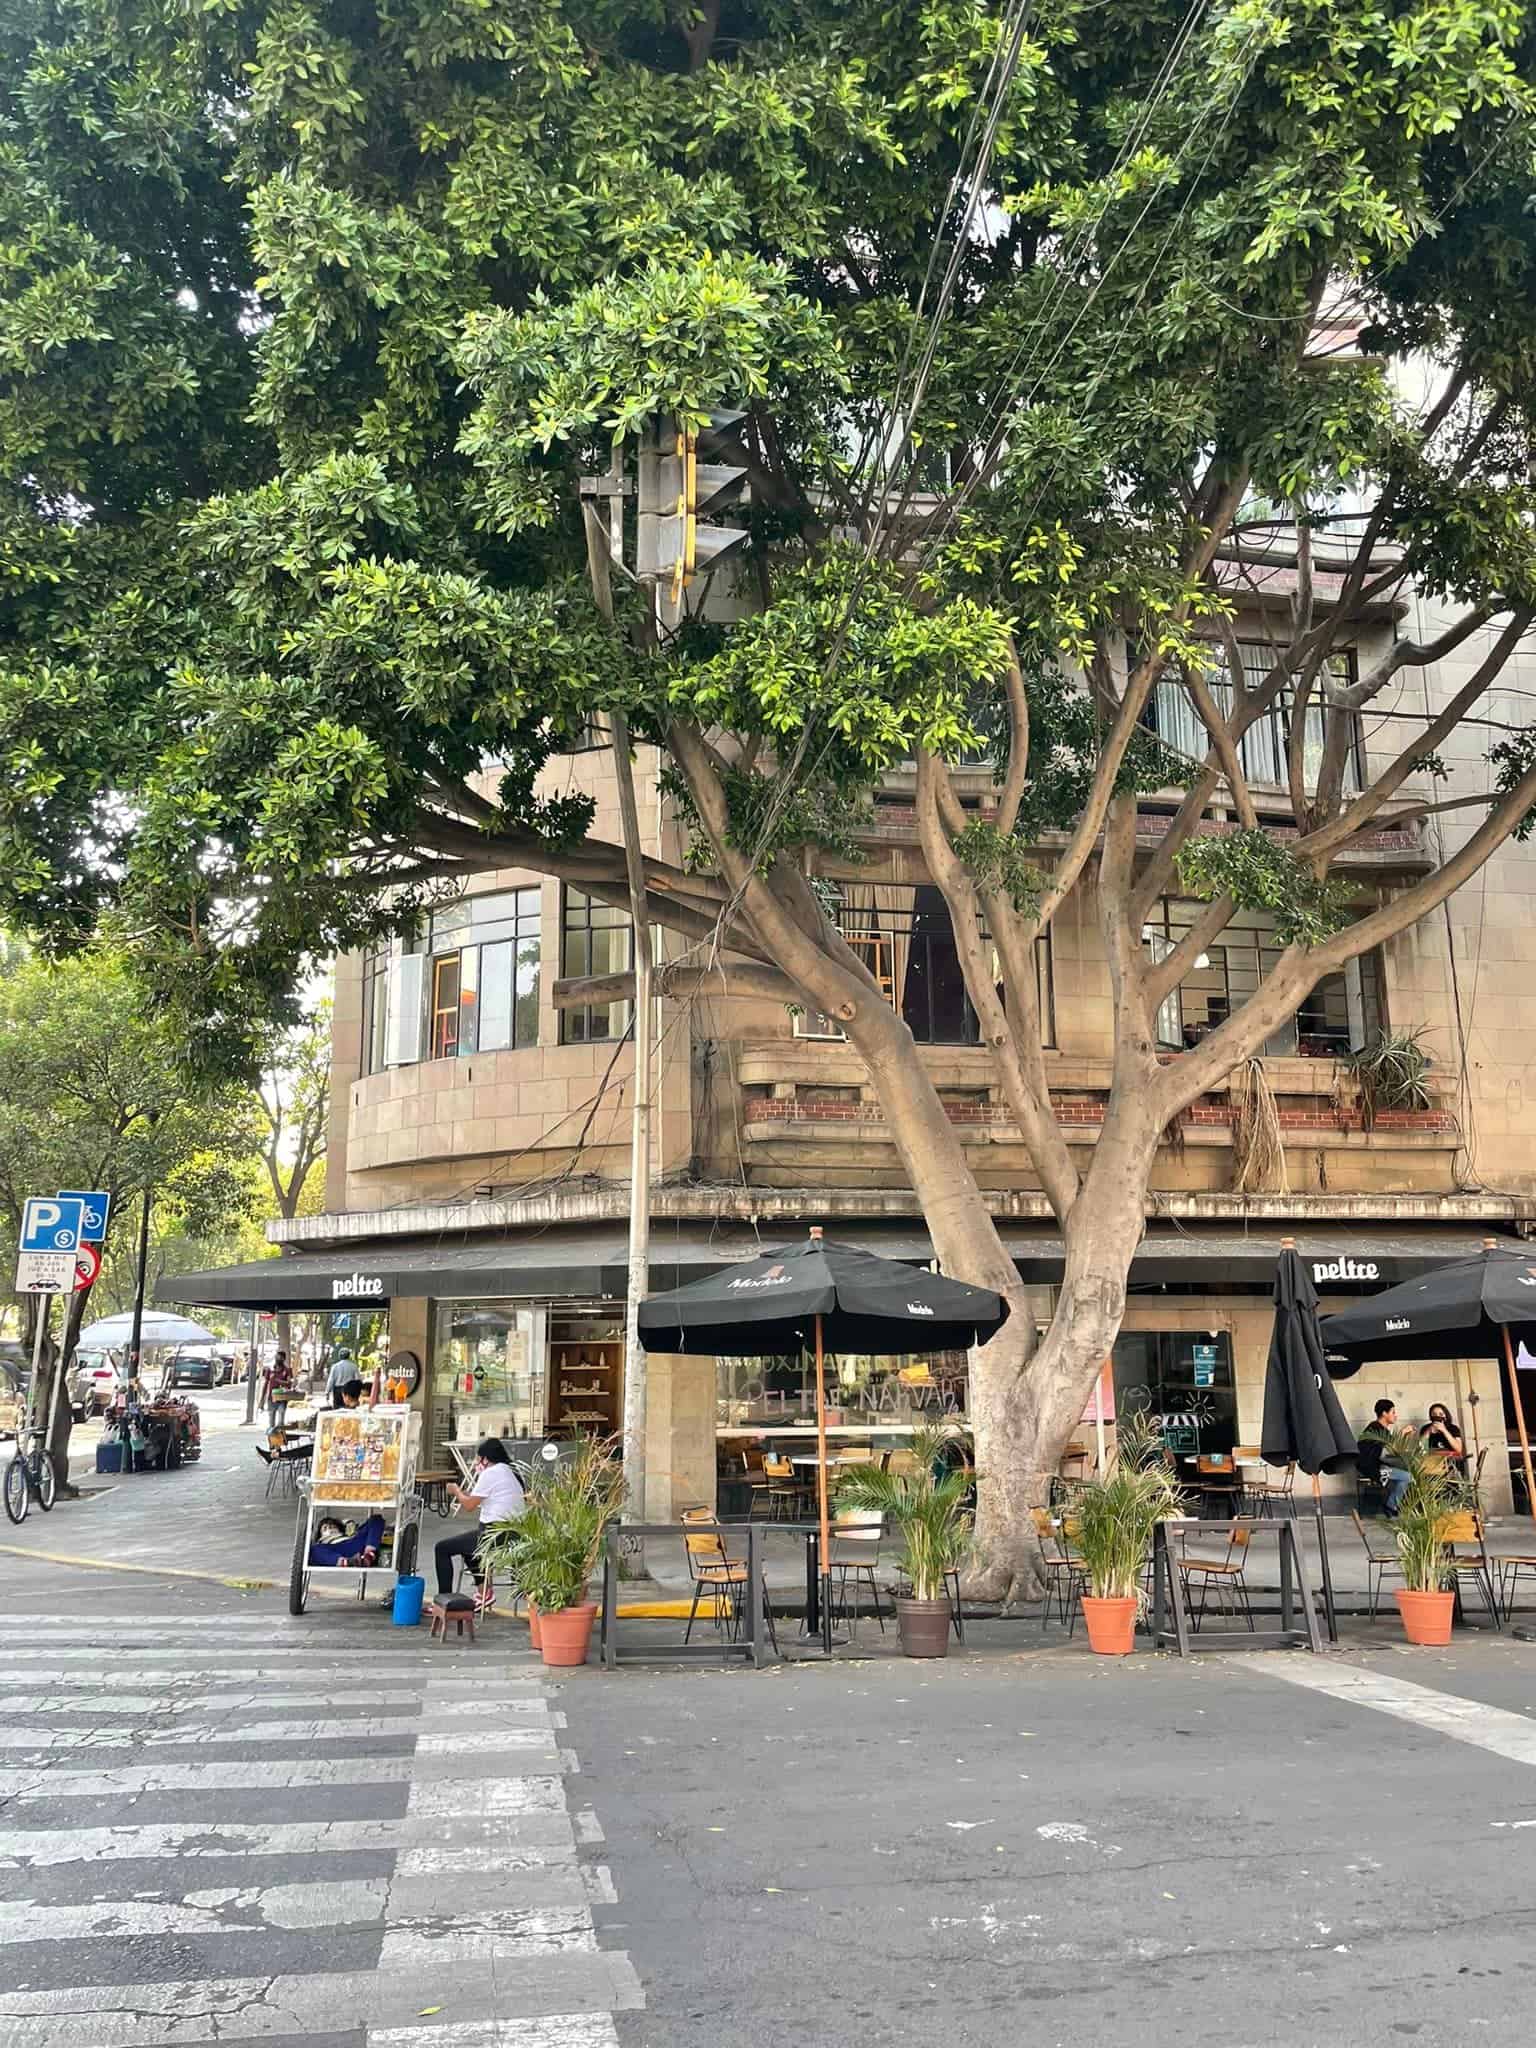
(564,1637)
(1111,1625)
(1426,1616)
(533,1625)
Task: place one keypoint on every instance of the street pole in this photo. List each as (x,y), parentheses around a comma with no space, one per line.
(39,1330)
(141,1272)
(250,1372)
(638,1284)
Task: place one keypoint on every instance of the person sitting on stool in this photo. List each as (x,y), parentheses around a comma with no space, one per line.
(1373,1447)
(498,1494)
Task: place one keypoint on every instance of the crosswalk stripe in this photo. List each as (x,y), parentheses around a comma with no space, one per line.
(561,1920)
(556,2030)
(171,1620)
(245,1658)
(1495,1728)
(131,1780)
(375,1730)
(423,1843)
(108,1704)
(485,1990)
(457,1800)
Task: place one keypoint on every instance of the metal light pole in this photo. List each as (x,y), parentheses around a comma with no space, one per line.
(639,1279)
(140,1277)
(250,1371)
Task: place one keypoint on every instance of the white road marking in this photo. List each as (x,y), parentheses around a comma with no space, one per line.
(188,1734)
(557,2030)
(1492,1728)
(424,1844)
(67,1782)
(229,1909)
(459,1799)
(121,1705)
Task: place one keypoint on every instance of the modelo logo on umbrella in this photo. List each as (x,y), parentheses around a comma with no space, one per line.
(774,1277)
(918,1308)
(1395,1323)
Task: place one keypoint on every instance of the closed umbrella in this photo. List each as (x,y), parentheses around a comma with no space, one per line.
(1303,1422)
(1482,1307)
(109,1331)
(811,1295)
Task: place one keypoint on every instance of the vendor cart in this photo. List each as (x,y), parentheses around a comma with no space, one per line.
(364,1468)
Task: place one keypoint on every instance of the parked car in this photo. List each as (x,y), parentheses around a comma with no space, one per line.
(93,1383)
(194,1369)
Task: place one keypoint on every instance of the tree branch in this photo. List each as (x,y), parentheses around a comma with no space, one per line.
(1016,779)
(732,978)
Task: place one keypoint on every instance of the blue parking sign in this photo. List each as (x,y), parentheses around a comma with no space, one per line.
(51,1223)
(94,1211)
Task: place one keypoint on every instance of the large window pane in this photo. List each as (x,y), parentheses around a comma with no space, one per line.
(594,939)
(487,1373)
(496,996)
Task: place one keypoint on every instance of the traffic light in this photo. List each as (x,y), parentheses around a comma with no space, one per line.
(686,476)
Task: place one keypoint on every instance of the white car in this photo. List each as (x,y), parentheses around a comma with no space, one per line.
(93,1383)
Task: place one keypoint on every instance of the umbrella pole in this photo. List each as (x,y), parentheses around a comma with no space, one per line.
(825,1564)
(1098,1418)
(1525,1442)
(1326,1568)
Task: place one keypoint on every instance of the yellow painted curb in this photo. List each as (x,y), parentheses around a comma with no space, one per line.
(638,1610)
(157,1571)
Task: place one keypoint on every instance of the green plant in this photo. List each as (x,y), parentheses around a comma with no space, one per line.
(552,1549)
(1435,1490)
(1116,1512)
(1390,1073)
(929,1513)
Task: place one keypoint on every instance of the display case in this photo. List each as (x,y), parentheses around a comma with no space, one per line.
(585,1375)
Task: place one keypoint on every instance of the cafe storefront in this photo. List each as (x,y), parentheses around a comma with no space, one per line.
(521,1335)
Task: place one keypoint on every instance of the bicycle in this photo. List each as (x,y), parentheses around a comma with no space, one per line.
(29,1475)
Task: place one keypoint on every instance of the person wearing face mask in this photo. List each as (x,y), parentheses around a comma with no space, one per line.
(1442,1432)
(497,1496)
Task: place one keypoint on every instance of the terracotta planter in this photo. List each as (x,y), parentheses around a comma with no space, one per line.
(923,1626)
(533,1625)
(1111,1625)
(563,1637)
(1426,1616)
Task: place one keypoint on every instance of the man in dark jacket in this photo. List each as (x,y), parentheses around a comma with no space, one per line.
(1376,1465)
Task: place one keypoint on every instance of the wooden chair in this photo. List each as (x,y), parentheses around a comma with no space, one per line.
(1224,1578)
(856,1454)
(1511,1563)
(785,1493)
(1065,1577)
(904,1464)
(718,1576)
(1462,1531)
(856,1537)
(1378,1562)
(759,1486)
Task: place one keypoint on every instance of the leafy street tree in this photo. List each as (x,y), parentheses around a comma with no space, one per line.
(1052,326)
(92,1095)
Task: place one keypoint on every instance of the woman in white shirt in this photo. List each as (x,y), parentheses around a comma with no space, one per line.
(498,1495)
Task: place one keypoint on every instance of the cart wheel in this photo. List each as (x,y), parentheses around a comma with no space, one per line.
(47,1481)
(16,1489)
(298,1578)
(405,1554)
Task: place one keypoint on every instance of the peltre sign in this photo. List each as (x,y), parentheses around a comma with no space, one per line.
(1345,1269)
(357,1287)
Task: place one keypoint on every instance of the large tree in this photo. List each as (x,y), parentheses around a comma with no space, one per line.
(1051,324)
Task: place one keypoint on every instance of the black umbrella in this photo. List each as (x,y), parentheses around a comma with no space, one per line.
(1472,1308)
(1303,1422)
(816,1294)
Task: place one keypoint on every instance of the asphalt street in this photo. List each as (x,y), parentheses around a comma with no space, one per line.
(222,1824)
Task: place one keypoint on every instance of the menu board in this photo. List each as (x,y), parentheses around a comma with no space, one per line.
(359,1454)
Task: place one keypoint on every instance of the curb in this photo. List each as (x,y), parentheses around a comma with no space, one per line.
(157,1571)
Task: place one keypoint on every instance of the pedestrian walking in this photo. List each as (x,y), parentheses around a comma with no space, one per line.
(343,1371)
(278,1390)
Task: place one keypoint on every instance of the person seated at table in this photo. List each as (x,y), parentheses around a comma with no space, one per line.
(1442,1432)
(1377,1465)
(350,1394)
(498,1495)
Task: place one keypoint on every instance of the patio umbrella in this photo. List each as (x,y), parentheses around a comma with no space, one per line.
(813,1295)
(158,1328)
(1303,1422)
(1481,1307)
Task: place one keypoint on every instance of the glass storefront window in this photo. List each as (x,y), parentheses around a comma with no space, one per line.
(1183,1381)
(862,1392)
(487,1371)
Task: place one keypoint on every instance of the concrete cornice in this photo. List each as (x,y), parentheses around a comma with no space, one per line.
(608,1202)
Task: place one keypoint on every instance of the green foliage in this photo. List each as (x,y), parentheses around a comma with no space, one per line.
(311,322)
(927,1507)
(1391,1072)
(1115,1513)
(1434,1491)
(1259,873)
(553,1547)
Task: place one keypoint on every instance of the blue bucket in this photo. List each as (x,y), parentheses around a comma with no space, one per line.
(410,1591)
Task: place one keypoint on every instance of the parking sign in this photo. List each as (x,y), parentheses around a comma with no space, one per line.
(94,1210)
(51,1223)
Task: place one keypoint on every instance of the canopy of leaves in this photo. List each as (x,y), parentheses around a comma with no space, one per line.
(311,319)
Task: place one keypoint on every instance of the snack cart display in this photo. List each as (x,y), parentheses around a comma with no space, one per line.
(359,1503)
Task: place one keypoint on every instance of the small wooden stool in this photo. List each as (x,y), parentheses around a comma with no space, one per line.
(457,1608)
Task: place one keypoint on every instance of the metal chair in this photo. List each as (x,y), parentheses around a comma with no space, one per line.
(1065,1576)
(1223,1577)
(785,1493)
(1464,1527)
(855,1551)
(718,1575)
(1511,1564)
(1378,1563)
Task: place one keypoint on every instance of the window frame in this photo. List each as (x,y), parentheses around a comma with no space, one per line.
(373,1057)
(578,1024)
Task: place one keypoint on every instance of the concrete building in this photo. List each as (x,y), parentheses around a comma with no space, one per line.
(477,1178)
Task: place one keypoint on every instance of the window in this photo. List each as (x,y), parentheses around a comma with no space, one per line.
(594,939)
(375,1008)
(1342,1012)
(1182,1381)
(904,936)
(1262,752)
(484,987)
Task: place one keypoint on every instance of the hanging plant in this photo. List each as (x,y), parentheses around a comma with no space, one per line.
(1391,1073)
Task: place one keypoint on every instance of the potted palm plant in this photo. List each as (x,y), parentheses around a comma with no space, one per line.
(552,1549)
(928,1508)
(1114,1515)
(1426,1599)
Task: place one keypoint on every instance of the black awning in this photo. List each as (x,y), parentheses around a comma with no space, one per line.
(590,1262)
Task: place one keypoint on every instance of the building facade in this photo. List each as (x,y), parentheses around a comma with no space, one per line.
(477,1177)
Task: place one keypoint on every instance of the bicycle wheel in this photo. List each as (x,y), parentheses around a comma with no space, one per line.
(45,1479)
(17,1492)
